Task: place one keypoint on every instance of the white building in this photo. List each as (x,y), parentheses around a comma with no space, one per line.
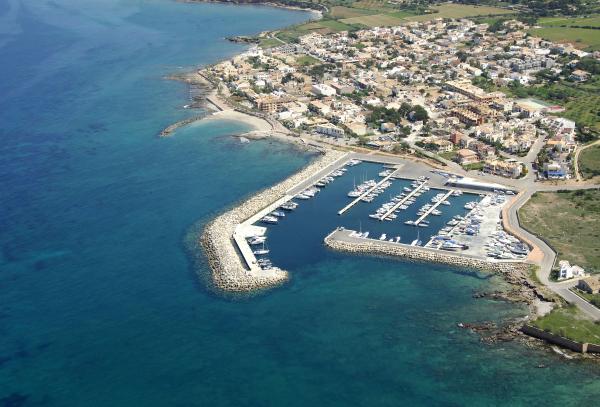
(322,89)
(329,129)
(567,271)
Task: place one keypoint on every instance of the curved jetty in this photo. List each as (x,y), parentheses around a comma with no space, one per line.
(231,266)
(340,239)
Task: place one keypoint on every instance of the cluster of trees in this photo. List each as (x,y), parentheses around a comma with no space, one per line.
(318,71)
(406,111)
(590,65)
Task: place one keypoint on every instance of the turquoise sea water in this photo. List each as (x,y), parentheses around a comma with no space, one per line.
(100,304)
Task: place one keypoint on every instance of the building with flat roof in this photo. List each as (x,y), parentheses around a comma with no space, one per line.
(329,129)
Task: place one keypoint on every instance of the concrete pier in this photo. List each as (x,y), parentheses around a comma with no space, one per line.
(438,203)
(354,202)
(406,198)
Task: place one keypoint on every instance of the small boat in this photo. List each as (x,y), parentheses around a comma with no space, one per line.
(261,251)
(254,240)
(269,219)
(278,214)
(302,196)
(382,237)
(289,206)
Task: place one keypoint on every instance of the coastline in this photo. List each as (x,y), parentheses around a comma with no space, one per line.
(219,241)
(219,109)
(317,9)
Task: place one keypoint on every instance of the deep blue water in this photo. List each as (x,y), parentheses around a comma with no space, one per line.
(100,303)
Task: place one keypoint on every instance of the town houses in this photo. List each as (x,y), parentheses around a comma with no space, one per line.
(434,84)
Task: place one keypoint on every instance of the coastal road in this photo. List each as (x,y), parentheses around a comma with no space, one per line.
(546,257)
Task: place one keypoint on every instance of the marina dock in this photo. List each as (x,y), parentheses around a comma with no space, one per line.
(406,198)
(367,192)
(438,203)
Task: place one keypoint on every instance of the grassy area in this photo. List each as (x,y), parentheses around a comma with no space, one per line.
(377,5)
(325,26)
(376,20)
(593,299)
(268,43)
(568,221)
(570,22)
(579,37)
(339,12)
(570,323)
(460,11)
(474,167)
(589,161)
(306,60)
(390,17)
(449,155)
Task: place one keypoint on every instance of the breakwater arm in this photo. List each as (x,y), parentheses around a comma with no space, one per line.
(229,271)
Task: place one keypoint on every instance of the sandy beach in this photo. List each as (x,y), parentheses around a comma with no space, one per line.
(257,124)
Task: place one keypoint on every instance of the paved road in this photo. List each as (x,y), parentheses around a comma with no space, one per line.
(549,255)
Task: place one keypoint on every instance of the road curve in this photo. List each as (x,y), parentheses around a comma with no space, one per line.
(543,255)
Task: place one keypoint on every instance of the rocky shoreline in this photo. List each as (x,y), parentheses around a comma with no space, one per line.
(228,270)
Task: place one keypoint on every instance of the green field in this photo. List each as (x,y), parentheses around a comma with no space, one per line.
(306,60)
(339,12)
(460,11)
(325,26)
(570,22)
(570,323)
(589,162)
(593,299)
(568,221)
(376,20)
(268,43)
(392,17)
(579,37)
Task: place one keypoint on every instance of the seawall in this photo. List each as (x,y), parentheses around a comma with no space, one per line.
(561,341)
(371,246)
(228,270)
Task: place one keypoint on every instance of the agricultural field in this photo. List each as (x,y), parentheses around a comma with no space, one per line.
(570,22)
(588,39)
(589,162)
(568,221)
(376,20)
(377,5)
(341,12)
(460,11)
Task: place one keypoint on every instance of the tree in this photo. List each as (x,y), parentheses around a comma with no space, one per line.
(419,114)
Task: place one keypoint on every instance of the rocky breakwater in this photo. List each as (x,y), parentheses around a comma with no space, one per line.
(229,271)
(517,274)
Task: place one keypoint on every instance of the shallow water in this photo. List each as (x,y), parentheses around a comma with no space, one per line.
(100,304)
